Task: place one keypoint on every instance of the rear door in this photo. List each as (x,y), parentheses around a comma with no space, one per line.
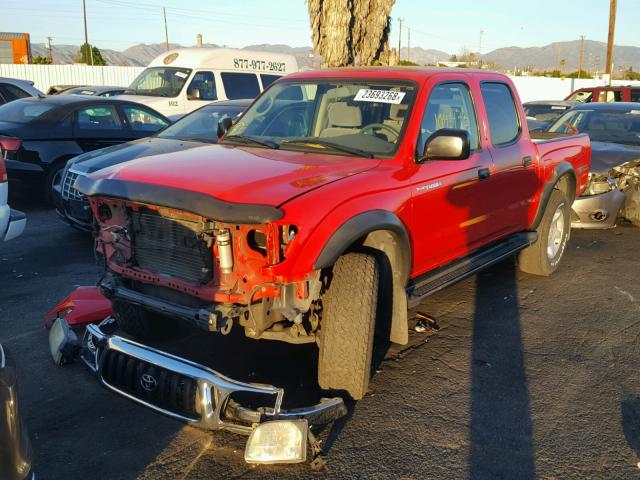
(514,173)
(99,125)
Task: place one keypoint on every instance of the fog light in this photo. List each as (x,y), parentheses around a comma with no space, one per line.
(278,441)
(63,342)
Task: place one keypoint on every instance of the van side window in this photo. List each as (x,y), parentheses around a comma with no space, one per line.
(449,106)
(268,79)
(504,125)
(240,85)
(202,87)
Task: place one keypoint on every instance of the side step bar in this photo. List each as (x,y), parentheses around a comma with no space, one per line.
(428,284)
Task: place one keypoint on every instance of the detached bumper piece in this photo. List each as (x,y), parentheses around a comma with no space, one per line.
(189,392)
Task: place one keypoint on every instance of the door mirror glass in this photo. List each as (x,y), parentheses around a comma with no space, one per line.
(224,125)
(447,144)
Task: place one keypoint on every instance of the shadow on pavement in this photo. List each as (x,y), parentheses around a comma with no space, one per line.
(501,426)
(630,411)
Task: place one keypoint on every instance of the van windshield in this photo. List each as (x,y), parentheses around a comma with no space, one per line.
(160,82)
(348,116)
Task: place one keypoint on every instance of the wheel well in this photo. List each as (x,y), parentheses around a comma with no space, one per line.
(394,247)
(567,185)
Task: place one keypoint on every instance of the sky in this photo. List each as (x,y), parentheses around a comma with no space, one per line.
(450,26)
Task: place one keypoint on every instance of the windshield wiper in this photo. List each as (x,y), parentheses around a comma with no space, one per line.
(330,145)
(244,139)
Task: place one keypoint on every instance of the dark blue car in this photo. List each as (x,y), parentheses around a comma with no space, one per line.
(191,131)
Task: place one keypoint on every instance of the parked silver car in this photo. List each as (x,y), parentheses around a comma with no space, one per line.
(12,89)
(614,129)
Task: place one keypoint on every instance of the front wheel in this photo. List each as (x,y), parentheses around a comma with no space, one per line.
(347,329)
(543,257)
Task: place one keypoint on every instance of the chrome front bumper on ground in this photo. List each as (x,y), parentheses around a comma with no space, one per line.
(190,392)
(597,211)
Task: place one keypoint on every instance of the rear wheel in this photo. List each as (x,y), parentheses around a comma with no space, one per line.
(543,257)
(141,323)
(347,329)
(53,181)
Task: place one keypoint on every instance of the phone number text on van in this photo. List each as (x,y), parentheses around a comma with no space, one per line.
(248,64)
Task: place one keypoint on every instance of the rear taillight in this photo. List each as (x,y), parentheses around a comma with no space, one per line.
(7,146)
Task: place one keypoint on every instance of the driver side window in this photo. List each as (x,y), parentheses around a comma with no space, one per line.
(202,87)
(449,106)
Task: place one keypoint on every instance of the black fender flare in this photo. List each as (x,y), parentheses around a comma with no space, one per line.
(397,247)
(359,226)
(561,170)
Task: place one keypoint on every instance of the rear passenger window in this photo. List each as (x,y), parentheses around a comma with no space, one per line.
(504,125)
(99,118)
(240,85)
(449,106)
(11,92)
(635,95)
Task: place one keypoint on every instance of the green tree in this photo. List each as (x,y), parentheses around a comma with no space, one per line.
(631,75)
(82,56)
(408,63)
(41,60)
(579,74)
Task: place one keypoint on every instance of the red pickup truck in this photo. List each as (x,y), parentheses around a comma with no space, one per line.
(338,200)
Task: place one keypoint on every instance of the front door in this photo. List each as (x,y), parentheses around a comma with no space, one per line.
(449,196)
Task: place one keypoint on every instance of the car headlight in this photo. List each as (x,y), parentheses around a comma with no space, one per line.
(278,441)
(599,183)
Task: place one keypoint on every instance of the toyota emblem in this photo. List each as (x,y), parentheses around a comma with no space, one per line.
(148,382)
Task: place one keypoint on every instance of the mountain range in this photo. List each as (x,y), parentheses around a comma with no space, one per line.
(547,57)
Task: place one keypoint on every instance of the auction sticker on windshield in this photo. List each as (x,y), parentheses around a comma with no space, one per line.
(381,96)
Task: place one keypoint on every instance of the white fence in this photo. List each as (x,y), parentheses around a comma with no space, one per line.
(543,88)
(45,76)
(529,88)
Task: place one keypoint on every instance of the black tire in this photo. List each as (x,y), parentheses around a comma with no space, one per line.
(141,323)
(53,177)
(540,258)
(347,329)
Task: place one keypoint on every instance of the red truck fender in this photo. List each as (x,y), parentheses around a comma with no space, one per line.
(81,307)
(564,179)
(384,231)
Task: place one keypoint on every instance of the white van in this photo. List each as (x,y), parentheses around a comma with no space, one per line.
(179,81)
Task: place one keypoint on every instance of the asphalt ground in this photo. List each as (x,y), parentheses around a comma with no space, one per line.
(527,377)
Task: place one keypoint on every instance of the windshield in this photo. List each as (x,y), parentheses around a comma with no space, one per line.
(347,117)
(23,111)
(201,125)
(616,126)
(582,96)
(544,113)
(160,82)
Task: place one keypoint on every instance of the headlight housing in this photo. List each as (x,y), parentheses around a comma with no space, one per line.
(599,183)
(278,441)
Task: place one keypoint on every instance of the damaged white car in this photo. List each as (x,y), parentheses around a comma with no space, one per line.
(614,179)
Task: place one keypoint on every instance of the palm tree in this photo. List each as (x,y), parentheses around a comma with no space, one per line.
(348,31)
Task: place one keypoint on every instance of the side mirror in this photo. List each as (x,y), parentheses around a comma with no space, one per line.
(224,125)
(446,144)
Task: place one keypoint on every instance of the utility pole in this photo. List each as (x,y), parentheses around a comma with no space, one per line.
(408,44)
(166,32)
(581,56)
(480,49)
(49,47)
(399,38)
(612,27)
(88,50)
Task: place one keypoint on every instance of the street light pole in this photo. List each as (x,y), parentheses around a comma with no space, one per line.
(399,38)
(88,53)
(612,27)
(166,31)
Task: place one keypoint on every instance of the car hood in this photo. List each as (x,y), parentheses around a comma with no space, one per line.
(605,155)
(240,174)
(107,157)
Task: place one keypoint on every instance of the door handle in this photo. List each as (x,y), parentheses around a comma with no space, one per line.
(526,161)
(484,173)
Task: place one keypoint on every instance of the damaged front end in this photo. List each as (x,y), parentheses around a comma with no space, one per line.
(628,179)
(201,397)
(599,205)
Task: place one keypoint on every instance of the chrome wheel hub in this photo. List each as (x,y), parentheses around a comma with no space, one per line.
(556,233)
